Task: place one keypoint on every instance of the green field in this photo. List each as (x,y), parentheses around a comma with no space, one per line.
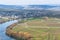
(41,29)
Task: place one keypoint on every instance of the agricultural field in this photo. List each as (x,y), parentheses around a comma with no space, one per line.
(40,29)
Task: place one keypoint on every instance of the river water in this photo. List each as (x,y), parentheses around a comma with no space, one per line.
(3,27)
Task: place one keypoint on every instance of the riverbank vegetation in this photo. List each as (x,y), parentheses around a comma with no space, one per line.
(36,29)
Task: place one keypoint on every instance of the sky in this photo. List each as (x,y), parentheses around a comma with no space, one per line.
(29,2)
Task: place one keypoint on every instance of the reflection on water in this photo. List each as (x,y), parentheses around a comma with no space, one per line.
(3,26)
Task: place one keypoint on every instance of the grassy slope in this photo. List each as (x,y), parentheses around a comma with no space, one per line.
(34,27)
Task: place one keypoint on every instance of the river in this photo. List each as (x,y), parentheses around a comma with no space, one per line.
(3,27)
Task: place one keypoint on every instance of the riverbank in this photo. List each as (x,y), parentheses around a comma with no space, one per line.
(3,20)
(3,27)
(17,35)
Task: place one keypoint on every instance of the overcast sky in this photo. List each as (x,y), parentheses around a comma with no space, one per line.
(27,2)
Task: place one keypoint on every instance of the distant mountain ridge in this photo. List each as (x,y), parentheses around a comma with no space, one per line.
(20,7)
(48,7)
(42,6)
(10,6)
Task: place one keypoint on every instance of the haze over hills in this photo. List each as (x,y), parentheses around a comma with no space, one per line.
(42,6)
(30,11)
(27,7)
(10,7)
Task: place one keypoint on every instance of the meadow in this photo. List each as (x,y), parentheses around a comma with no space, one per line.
(40,28)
